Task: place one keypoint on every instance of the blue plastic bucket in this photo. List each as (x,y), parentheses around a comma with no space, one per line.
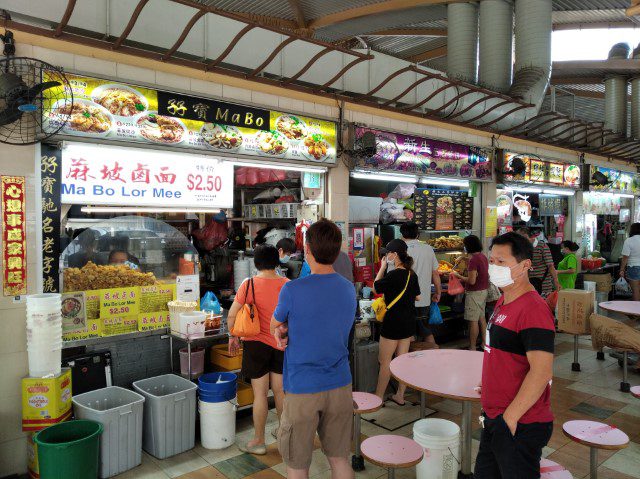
(210,390)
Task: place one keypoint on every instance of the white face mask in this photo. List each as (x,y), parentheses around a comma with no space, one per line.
(500,275)
(535,242)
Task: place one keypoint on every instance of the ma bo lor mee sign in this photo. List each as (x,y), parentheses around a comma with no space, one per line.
(116,176)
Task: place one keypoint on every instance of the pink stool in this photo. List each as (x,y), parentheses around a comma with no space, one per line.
(635,391)
(553,470)
(392,452)
(596,435)
(363,403)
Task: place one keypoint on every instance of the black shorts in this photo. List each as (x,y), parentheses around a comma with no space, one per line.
(259,359)
(422,322)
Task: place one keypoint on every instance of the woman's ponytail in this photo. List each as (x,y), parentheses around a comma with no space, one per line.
(407,261)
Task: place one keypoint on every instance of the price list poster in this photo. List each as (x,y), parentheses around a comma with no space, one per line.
(14,253)
(50,166)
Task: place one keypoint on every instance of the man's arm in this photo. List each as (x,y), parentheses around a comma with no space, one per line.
(435,279)
(623,265)
(534,384)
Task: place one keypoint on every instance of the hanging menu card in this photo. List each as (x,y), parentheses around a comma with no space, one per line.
(443,210)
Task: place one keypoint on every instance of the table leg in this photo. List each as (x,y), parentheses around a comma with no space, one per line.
(189,359)
(171,352)
(625,387)
(576,365)
(423,405)
(594,463)
(357,461)
(466,440)
(600,355)
(391,473)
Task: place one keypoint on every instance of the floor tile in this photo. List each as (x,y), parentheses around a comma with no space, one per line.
(181,464)
(266,474)
(213,456)
(452,407)
(593,411)
(611,474)
(319,464)
(626,461)
(240,466)
(149,469)
(392,416)
(631,409)
(208,472)
(272,458)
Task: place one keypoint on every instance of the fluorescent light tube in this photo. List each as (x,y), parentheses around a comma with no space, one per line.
(444,182)
(560,192)
(280,166)
(142,209)
(527,190)
(384,177)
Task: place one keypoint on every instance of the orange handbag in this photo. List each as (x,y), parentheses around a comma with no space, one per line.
(247,323)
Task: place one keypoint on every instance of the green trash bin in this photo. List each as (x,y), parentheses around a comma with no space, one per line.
(69,450)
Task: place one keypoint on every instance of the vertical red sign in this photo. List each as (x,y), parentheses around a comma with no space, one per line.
(14,253)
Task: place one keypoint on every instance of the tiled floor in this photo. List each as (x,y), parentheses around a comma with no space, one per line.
(590,394)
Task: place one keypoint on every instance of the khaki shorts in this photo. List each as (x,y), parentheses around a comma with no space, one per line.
(474,304)
(330,413)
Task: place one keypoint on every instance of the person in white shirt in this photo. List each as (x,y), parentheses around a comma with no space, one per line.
(630,262)
(426,267)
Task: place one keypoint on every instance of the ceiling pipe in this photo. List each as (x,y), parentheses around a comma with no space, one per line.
(462,41)
(496,44)
(615,94)
(635,100)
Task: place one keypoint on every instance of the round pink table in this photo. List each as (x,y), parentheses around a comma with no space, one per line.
(596,435)
(449,373)
(635,390)
(630,309)
(392,452)
(553,470)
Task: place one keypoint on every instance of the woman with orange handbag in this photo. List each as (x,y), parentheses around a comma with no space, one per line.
(401,291)
(262,360)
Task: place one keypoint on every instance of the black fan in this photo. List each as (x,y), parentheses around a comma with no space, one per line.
(35,100)
(599,179)
(517,165)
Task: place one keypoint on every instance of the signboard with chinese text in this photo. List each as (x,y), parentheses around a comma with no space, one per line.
(14,251)
(620,181)
(50,167)
(551,205)
(542,172)
(443,210)
(412,154)
(116,111)
(110,175)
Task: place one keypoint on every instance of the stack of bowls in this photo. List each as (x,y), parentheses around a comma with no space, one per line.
(44,334)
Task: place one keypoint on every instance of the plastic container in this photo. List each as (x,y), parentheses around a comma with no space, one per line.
(441,442)
(220,357)
(44,361)
(217,387)
(119,411)
(217,424)
(177,307)
(192,324)
(169,425)
(197,362)
(69,449)
(245,394)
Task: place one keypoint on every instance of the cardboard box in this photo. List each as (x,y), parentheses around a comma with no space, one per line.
(46,401)
(575,306)
(603,281)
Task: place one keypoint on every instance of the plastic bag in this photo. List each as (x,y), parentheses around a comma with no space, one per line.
(622,287)
(552,301)
(212,235)
(455,286)
(435,316)
(209,302)
(403,190)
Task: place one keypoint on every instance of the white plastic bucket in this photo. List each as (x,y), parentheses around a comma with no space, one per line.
(44,361)
(217,424)
(192,324)
(441,442)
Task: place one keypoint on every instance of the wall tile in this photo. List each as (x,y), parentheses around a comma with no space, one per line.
(206,88)
(11,418)
(136,74)
(13,457)
(264,99)
(237,94)
(96,66)
(14,332)
(55,57)
(171,81)
(290,105)
(24,50)
(14,368)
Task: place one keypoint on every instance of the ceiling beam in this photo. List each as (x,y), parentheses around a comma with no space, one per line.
(376,8)
(594,25)
(614,66)
(591,80)
(299,14)
(429,55)
(66,17)
(409,32)
(634,9)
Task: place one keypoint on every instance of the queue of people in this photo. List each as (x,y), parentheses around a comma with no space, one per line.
(313,386)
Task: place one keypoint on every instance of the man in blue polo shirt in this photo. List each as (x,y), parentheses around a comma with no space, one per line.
(316,313)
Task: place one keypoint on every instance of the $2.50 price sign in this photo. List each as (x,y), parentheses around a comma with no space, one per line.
(204,183)
(119,302)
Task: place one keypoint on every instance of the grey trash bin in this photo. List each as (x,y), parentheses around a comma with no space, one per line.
(169,426)
(119,410)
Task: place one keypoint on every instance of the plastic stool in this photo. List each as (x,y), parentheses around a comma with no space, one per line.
(596,435)
(553,470)
(363,403)
(392,452)
(635,391)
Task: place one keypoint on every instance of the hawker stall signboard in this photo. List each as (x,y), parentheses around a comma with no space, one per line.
(109,175)
(50,166)
(14,252)
(411,154)
(114,111)
(541,172)
(619,181)
(443,210)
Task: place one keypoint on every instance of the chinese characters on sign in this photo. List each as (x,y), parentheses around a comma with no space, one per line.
(541,172)
(14,253)
(50,166)
(100,175)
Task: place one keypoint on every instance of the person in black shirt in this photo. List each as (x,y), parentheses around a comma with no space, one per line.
(399,324)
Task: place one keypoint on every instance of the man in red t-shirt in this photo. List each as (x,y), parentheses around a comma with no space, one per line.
(517,369)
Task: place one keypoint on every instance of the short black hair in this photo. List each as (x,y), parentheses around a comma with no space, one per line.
(473,244)
(324,239)
(634,230)
(287,245)
(570,245)
(266,257)
(410,230)
(116,251)
(521,247)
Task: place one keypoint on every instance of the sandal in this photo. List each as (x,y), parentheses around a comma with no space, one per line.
(259,450)
(394,401)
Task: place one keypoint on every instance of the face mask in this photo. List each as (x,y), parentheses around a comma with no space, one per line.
(465,250)
(535,242)
(285,259)
(500,275)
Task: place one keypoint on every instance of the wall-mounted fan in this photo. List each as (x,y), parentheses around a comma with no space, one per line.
(36,100)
